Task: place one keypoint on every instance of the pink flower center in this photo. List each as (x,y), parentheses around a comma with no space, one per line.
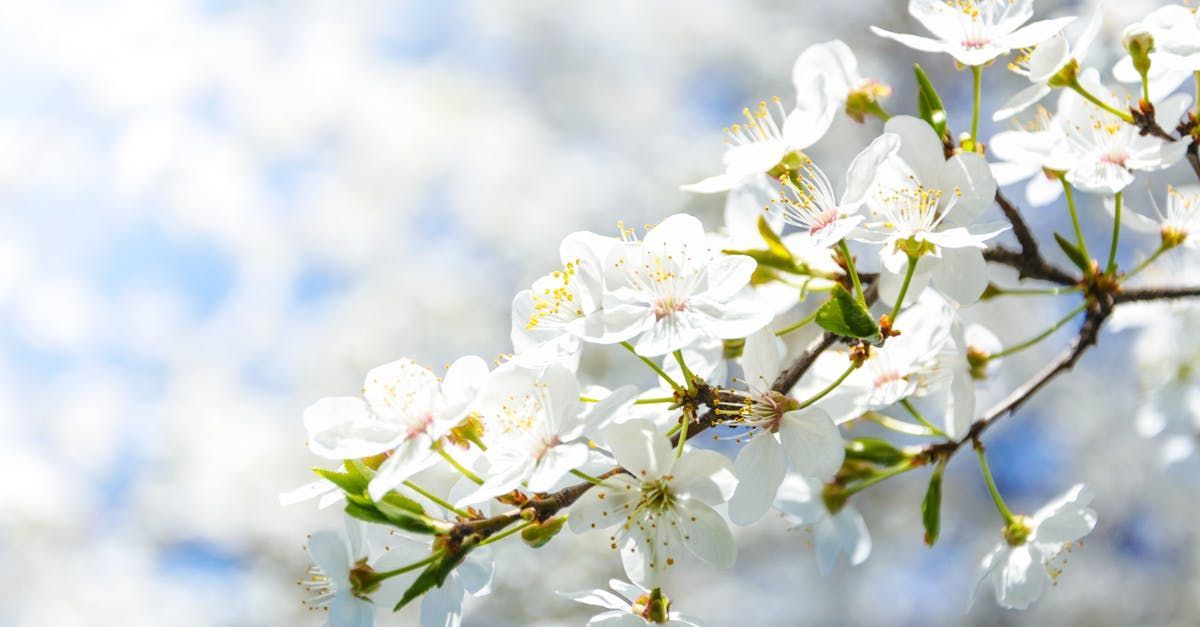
(823,220)
(1115,158)
(421,425)
(976,44)
(668,306)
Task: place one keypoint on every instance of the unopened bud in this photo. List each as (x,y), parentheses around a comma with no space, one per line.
(538,534)
(977,362)
(1139,43)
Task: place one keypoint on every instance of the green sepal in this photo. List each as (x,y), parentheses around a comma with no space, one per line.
(844,315)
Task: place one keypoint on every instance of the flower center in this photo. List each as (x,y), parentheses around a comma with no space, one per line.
(760,126)
(667,306)
(1116,158)
(657,496)
(421,425)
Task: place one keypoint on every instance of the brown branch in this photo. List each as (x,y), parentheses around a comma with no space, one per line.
(1029,245)
(1029,267)
(1155,293)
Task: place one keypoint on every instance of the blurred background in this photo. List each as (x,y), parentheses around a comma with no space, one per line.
(216,212)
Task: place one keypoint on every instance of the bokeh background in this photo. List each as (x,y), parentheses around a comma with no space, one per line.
(213,213)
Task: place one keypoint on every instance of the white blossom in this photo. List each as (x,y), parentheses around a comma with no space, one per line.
(628,608)
(834,533)
(1021,564)
(662,507)
(1176,53)
(671,290)
(975,32)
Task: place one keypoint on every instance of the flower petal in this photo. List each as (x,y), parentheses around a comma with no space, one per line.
(813,442)
(706,535)
(760,467)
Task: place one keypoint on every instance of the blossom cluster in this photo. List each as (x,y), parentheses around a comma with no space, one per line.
(768,332)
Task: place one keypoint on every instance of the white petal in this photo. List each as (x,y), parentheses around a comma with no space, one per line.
(701,475)
(343,428)
(861,175)
(442,606)
(604,505)
(924,44)
(1035,33)
(728,274)
(555,464)
(706,535)
(1020,579)
(598,598)
(349,611)
(920,147)
(968,176)
(328,552)
(464,379)
(812,442)
(760,467)
(961,275)
(1021,101)
(401,389)
(762,359)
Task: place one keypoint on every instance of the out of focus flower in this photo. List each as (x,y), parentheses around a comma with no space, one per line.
(926,207)
(671,290)
(1101,151)
(329,579)
(1032,153)
(632,608)
(834,533)
(809,201)
(403,410)
(830,69)
(533,423)
(1174,31)
(975,32)
(808,436)
(549,320)
(1021,565)
(1178,224)
(1045,62)
(665,506)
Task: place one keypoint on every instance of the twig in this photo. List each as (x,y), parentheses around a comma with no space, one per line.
(1155,293)
(1029,267)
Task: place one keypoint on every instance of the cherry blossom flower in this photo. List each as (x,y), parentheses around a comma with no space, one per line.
(1021,565)
(809,201)
(768,137)
(834,533)
(1178,223)
(671,290)
(403,411)
(1101,151)
(830,69)
(329,579)
(533,423)
(1032,153)
(662,507)
(1045,61)
(630,607)
(975,32)
(549,319)
(927,205)
(808,436)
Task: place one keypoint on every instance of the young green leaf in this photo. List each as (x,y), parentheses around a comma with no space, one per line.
(931,506)
(1074,254)
(929,103)
(774,243)
(875,450)
(844,315)
(435,574)
(352,484)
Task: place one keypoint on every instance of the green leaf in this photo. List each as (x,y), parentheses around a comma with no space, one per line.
(845,316)
(929,103)
(768,259)
(367,514)
(875,450)
(347,482)
(1074,254)
(931,506)
(435,574)
(774,243)
(399,512)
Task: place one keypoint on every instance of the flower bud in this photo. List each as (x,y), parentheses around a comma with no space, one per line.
(977,362)
(538,534)
(1139,43)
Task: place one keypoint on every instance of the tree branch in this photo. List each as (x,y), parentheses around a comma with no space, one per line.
(1155,293)
(1028,262)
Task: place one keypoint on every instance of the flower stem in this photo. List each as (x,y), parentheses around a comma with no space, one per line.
(1087,95)
(899,426)
(907,404)
(457,466)
(908,275)
(899,469)
(653,366)
(1041,336)
(388,574)
(831,387)
(1021,291)
(796,327)
(991,484)
(858,290)
(435,498)
(1070,193)
(1145,264)
(977,76)
(684,420)
(688,377)
(1111,268)
(586,477)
